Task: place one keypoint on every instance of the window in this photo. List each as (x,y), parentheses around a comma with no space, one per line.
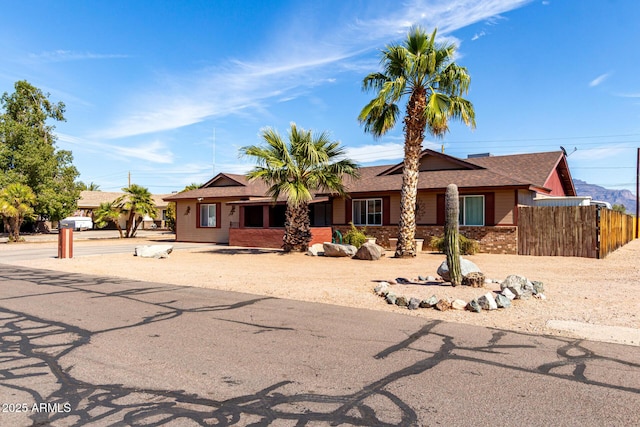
(472,210)
(367,212)
(208,215)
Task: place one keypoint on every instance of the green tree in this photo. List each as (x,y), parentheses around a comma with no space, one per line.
(108,212)
(28,154)
(16,201)
(424,71)
(297,169)
(137,202)
(92,186)
(619,208)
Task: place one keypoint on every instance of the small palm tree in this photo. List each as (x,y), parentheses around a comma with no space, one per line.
(297,169)
(108,212)
(16,201)
(138,203)
(424,71)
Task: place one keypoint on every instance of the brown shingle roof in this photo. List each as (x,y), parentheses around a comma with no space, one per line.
(92,199)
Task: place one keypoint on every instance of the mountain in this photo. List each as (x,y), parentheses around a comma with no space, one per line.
(615,197)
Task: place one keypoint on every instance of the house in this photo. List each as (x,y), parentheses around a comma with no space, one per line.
(230,209)
(90,201)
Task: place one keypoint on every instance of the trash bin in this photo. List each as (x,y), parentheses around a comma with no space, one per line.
(65,239)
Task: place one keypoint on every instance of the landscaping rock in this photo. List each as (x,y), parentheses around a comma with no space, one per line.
(337,250)
(538,287)
(507,293)
(153,251)
(458,304)
(466,267)
(443,305)
(429,302)
(474,306)
(414,303)
(370,252)
(316,250)
(382,288)
(502,301)
(402,281)
(517,285)
(391,298)
(487,302)
(474,279)
(540,296)
(402,301)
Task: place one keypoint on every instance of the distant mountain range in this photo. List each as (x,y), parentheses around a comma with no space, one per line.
(615,197)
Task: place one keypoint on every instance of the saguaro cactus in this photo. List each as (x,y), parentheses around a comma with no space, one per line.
(451,240)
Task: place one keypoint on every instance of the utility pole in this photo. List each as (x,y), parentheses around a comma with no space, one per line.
(637,190)
(129,179)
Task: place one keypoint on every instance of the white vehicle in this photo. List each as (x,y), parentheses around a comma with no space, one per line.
(80,222)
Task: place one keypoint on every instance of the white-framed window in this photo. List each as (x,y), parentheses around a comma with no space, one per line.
(367,212)
(472,210)
(208,215)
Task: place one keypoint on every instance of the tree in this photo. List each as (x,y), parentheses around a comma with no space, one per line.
(92,186)
(619,208)
(108,212)
(16,201)
(451,233)
(28,154)
(137,202)
(307,164)
(424,71)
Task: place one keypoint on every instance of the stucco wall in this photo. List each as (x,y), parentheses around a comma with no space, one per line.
(186,223)
(504,206)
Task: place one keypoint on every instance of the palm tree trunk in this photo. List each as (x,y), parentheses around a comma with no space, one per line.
(414,125)
(132,216)
(297,233)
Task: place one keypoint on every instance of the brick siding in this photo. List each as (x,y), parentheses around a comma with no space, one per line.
(271,237)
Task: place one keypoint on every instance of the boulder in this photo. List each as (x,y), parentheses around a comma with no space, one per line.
(502,301)
(337,250)
(475,279)
(458,304)
(316,250)
(474,306)
(153,251)
(370,252)
(414,303)
(487,302)
(466,267)
(516,284)
(429,302)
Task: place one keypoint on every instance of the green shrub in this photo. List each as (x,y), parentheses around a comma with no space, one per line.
(354,236)
(467,246)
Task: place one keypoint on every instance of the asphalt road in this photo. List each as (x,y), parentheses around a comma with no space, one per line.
(90,350)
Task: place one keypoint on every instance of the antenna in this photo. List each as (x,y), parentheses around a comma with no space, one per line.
(214,151)
(565,151)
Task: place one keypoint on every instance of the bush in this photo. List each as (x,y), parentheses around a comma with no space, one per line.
(467,246)
(354,236)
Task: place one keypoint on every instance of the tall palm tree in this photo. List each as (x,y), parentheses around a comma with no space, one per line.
(108,212)
(306,164)
(424,71)
(137,202)
(16,204)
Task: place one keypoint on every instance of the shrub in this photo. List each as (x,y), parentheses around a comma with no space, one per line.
(467,246)
(354,236)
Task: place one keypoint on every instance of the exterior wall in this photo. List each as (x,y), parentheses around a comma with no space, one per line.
(494,240)
(431,163)
(427,208)
(505,202)
(186,226)
(554,183)
(339,213)
(394,208)
(272,237)
(525,197)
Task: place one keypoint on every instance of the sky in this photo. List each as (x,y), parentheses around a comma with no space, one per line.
(165,93)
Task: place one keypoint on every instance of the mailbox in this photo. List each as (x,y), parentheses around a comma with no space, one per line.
(66,223)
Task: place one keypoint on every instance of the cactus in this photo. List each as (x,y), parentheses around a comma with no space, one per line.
(452,247)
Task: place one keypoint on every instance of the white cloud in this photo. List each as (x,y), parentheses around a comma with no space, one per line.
(390,151)
(478,35)
(296,60)
(598,80)
(68,55)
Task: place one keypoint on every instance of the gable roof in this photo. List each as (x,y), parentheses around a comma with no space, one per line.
(224,185)
(92,199)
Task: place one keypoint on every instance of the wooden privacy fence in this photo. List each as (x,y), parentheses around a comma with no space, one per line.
(582,231)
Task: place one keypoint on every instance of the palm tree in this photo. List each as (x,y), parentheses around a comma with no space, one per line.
(16,201)
(138,203)
(424,70)
(108,212)
(308,163)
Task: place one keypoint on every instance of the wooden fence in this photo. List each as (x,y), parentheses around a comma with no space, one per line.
(581,231)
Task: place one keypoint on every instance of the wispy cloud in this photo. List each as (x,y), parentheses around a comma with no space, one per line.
(372,153)
(598,80)
(478,35)
(68,55)
(291,62)
(154,151)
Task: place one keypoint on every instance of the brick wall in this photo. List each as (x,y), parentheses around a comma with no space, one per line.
(271,237)
(493,240)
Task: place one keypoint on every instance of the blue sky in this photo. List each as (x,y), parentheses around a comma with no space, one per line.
(169,91)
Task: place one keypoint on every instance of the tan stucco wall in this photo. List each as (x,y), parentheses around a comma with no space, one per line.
(186,226)
(339,210)
(505,201)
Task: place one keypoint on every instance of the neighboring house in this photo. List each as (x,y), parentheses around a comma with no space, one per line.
(90,201)
(230,209)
